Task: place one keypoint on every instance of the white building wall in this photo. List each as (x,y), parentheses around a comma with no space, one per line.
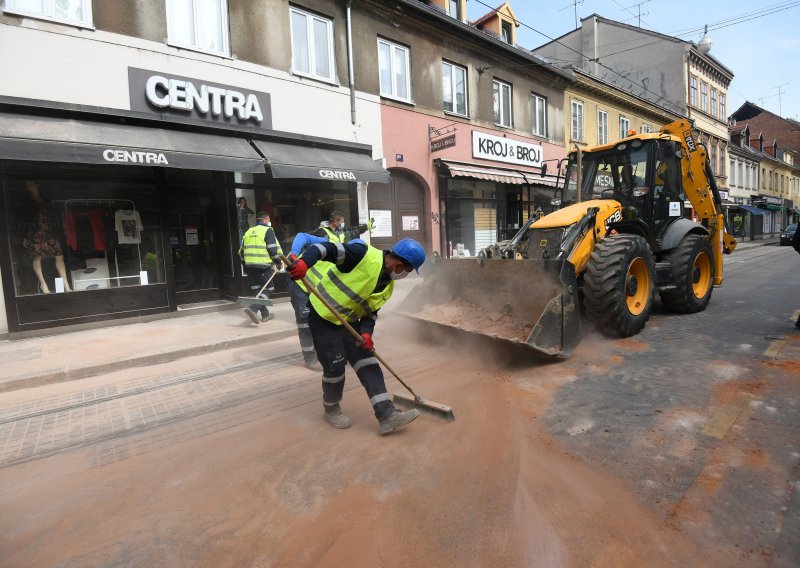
(91,68)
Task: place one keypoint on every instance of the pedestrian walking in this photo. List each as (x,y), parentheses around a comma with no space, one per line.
(357,280)
(335,230)
(259,253)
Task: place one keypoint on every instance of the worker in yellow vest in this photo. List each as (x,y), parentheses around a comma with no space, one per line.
(336,231)
(356,279)
(259,252)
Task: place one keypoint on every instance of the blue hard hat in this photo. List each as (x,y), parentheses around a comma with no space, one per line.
(410,251)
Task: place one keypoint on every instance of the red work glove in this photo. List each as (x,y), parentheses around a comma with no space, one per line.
(298,269)
(367,344)
(292,258)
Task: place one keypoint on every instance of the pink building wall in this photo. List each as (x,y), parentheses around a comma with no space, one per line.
(405,133)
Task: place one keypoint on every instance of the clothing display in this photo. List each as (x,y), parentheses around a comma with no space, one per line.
(40,243)
(129,226)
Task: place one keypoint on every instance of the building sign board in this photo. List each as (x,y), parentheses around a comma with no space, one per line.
(166,94)
(443,143)
(506,150)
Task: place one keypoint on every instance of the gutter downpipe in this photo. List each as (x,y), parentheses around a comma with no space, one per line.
(350,73)
(579,181)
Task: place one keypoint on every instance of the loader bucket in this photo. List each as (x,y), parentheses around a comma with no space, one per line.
(533,303)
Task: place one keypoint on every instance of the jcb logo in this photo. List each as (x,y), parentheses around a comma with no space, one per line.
(615,217)
(690,141)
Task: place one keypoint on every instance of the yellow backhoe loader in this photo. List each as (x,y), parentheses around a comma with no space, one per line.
(619,236)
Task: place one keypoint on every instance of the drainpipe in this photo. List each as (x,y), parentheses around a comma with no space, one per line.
(579,181)
(350,74)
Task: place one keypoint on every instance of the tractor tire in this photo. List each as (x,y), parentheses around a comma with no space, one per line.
(693,271)
(619,284)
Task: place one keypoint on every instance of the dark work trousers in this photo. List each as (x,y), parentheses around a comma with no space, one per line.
(256,277)
(301,308)
(335,348)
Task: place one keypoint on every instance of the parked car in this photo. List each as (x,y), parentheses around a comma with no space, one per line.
(788,234)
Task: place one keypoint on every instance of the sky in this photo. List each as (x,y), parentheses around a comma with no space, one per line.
(754,39)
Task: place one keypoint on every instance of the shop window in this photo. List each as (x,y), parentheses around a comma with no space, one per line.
(76,12)
(539,114)
(312,45)
(501,93)
(198,24)
(454,89)
(68,236)
(394,65)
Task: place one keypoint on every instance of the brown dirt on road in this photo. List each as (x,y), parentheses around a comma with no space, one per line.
(490,489)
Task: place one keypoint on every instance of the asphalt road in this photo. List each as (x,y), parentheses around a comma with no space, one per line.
(678,447)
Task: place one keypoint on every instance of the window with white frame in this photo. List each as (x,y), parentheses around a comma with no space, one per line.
(393,66)
(312,45)
(693,92)
(577,121)
(198,24)
(453,9)
(645,128)
(732,180)
(714,103)
(501,93)
(454,88)
(624,126)
(539,115)
(602,127)
(722,110)
(703,97)
(77,12)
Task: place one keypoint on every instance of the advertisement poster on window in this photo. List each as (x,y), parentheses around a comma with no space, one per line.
(383,222)
(191,236)
(410,223)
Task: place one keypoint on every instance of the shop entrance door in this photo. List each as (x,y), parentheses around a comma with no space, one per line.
(192,235)
(399,211)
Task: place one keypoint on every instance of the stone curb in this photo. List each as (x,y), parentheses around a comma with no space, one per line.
(63,375)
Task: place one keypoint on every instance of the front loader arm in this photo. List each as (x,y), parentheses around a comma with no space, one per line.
(700,188)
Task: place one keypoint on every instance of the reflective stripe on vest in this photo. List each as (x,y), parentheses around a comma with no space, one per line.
(254,249)
(351,293)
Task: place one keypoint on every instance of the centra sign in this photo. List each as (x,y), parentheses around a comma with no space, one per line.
(162,93)
(505,150)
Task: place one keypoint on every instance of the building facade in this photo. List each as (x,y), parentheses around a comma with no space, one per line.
(473,125)
(677,75)
(139,139)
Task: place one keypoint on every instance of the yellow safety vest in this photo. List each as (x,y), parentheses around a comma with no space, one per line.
(254,248)
(350,293)
(333,237)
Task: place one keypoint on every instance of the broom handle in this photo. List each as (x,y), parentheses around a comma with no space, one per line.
(264,287)
(349,327)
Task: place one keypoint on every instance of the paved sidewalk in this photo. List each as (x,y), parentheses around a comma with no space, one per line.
(79,354)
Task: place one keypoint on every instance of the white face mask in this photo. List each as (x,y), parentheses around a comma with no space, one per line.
(269,224)
(395,276)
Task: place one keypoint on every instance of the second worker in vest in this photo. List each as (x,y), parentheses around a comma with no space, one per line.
(334,229)
(259,253)
(357,280)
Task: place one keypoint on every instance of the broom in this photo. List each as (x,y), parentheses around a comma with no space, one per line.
(435,408)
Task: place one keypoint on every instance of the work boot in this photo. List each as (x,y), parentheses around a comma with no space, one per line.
(268,317)
(313,365)
(334,417)
(252,315)
(396,420)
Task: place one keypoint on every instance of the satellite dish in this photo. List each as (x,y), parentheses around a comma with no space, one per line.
(705,43)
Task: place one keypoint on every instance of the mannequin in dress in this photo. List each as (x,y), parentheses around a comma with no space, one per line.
(41,243)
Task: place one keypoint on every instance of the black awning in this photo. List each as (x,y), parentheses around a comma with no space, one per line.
(52,139)
(294,161)
(753,210)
